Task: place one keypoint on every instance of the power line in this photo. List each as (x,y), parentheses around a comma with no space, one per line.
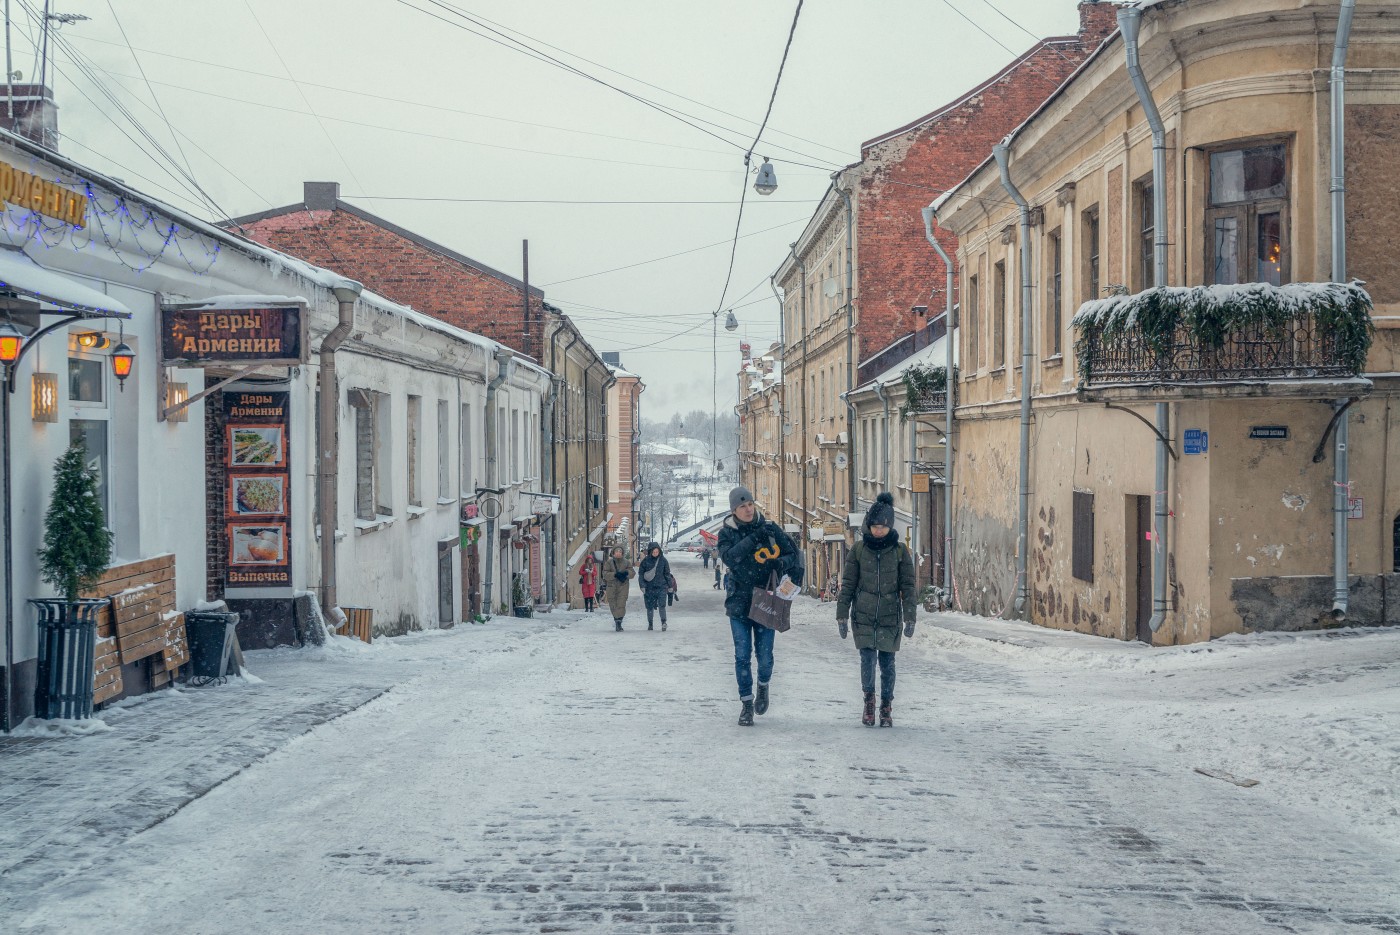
(1002,13)
(576,201)
(743,192)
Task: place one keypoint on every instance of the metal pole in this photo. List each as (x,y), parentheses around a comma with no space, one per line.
(948,402)
(9,72)
(850,354)
(1341,479)
(9,558)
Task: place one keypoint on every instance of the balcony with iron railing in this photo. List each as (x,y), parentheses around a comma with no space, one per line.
(1224,335)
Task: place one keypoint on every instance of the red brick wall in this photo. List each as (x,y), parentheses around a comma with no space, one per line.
(902,174)
(407,273)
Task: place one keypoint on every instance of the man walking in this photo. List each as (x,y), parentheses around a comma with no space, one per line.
(752,548)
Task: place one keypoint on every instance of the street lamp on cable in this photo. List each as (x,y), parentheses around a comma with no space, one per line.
(767,181)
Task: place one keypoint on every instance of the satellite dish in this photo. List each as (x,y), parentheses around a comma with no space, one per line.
(841,461)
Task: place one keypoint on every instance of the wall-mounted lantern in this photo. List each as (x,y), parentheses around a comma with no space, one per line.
(122,359)
(44,397)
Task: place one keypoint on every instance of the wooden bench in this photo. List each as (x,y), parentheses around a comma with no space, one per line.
(140,623)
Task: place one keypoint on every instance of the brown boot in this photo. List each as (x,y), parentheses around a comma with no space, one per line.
(868,718)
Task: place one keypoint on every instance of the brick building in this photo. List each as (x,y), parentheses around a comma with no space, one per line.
(624,423)
(435,280)
(832,327)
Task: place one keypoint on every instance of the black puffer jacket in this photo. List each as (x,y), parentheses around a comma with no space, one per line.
(658,582)
(738,543)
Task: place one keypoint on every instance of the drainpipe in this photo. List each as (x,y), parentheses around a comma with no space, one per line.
(948,405)
(346,292)
(1341,479)
(1021,607)
(884,436)
(782,399)
(503,356)
(802,392)
(1130,24)
(550,448)
(850,351)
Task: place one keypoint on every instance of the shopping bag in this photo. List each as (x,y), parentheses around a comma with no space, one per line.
(768,609)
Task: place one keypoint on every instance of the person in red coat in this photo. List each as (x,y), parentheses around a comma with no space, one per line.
(588,581)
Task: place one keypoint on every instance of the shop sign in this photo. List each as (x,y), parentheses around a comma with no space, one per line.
(543,505)
(257,507)
(41,196)
(834,529)
(918,483)
(256,335)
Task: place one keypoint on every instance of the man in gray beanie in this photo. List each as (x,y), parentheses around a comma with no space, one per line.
(751,547)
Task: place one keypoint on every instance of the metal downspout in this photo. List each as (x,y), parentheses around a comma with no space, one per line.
(503,356)
(884,437)
(948,406)
(329,444)
(1021,606)
(1341,470)
(782,399)
(1130,24)
(850,350)
(802,392)
(550,447)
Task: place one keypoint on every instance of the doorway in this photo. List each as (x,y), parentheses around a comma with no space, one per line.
(1141,526)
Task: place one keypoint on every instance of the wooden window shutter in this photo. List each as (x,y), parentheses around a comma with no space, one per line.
(1083,561)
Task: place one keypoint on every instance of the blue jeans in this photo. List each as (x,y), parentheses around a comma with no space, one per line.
(867,673)
(751,639)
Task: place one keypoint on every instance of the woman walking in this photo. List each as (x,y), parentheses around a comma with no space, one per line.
(588,581)
(752,548)
(879,581)
(616,575)
(655,572)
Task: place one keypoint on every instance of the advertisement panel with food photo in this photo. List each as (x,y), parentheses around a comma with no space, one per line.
(257,545)
(257,494)
(256,446)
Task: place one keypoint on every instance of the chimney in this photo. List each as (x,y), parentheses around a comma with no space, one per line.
(28,110)
(320,196)
(1098,20)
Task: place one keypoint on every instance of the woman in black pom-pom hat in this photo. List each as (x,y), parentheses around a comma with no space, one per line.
(878,597)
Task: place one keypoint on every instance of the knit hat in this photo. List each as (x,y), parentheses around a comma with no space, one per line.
(739,495)
(881,512)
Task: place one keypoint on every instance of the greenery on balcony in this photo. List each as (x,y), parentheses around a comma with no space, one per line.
(925,390)
(1203,333)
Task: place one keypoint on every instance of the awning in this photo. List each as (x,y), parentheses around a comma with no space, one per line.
(22,276)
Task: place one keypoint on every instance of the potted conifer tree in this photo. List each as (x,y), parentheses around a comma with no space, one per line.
(77,551)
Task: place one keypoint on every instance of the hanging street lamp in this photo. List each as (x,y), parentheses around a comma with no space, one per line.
(767,181)
(10,343)
(122,359)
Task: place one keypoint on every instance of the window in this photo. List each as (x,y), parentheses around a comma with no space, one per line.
(468,469)
(515,445)
(1055,312)
(1147,277)
(1083,558)
(383,449)
(1091,253)
(973,318)
(1395,542)
(91,434)
(363,409)
(87,380)
(443,447)
(1246,221)
(999,315)
(415,450)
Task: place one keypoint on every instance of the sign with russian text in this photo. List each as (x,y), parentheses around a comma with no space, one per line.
(257,508)
(24,190)
(1270,432)
(1197,441)
(251,335)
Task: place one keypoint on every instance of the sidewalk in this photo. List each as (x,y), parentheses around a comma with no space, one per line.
(66,801)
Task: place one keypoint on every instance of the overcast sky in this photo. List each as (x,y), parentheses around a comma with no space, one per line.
(403,106)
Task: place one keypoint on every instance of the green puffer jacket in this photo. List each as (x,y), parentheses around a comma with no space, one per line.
(880,582)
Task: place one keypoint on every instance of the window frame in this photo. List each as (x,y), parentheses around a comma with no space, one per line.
(1146,234)
(1246,214)
(973,317)
(1091,234)
(1054,312)
(998,361)
(1082,536)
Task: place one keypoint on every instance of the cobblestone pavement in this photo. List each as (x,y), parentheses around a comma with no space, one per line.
(552,776)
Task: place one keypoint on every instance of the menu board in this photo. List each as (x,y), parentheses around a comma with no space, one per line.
(257,511)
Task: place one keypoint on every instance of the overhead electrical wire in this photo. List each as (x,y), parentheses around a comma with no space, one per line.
(743,192)
(578,201)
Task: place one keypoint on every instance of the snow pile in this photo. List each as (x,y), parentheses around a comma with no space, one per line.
(48,729)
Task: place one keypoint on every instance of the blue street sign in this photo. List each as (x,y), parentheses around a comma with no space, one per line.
(1197,441)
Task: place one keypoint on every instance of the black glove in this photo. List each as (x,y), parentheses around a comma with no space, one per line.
(842,628)
(620,575)
(909,629)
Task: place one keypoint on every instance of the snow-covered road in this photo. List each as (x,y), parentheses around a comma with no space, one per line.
(551,775)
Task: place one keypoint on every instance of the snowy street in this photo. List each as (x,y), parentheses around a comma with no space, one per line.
(550,775)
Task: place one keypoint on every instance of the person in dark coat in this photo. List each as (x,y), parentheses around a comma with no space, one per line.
(617,572)
(655,575)
(751,548)
(705,557)
(878,595)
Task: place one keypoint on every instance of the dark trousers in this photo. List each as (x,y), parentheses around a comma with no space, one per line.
(588,604)
(868,659)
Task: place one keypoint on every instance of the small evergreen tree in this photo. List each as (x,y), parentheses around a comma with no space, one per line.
(77,544)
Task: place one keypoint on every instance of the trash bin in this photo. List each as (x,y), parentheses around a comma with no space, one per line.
(211,636)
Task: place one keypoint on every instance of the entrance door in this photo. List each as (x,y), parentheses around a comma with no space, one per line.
(1143,581)
(445,595)
(471,581)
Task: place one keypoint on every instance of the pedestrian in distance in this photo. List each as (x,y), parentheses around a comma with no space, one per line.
(705,557)
(655,573)
(752,548)
(617,573)
(588,581)
(878,598)
(719,573)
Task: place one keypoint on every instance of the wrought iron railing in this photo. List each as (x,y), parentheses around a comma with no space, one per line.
(931,401)
(1293,349)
